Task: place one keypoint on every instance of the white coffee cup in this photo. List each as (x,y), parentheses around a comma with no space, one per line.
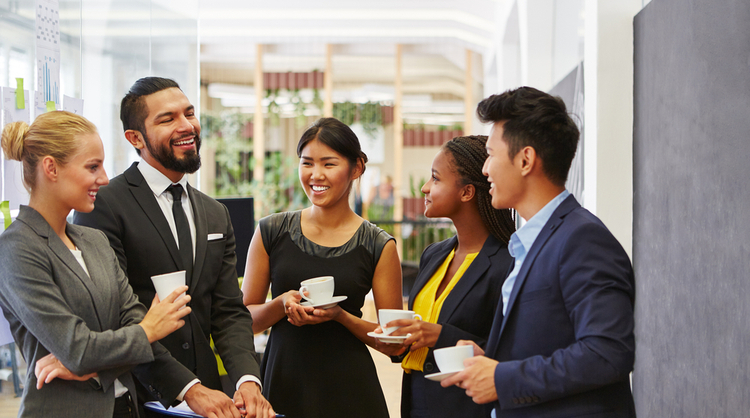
(318,289)
(451,359)
(167,283)
(387,315)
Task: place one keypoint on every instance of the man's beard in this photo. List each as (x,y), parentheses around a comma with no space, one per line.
(190,163)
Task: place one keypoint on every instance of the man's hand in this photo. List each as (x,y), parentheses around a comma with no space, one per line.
(251,402)
(210,403)
(49,367)
(478,379)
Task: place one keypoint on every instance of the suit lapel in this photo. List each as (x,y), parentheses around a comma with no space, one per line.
(425,272)
(146,200)
(37,223)
(476,270)
(97,276)
(550,227)
(201,235)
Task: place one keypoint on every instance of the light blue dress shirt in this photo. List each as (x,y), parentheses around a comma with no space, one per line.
(522,240)
(520,243)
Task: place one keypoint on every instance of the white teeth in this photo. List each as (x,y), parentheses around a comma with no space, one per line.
(185,142)
(319,188)
(92,194)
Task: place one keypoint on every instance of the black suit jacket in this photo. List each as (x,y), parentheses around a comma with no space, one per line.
(128,213)
(566,345)
(467,314)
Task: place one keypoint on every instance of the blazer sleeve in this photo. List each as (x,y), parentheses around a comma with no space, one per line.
(30,290)
(231,322)
(597,285)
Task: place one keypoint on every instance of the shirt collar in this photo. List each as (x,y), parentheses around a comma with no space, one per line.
(156,180)
(522,239)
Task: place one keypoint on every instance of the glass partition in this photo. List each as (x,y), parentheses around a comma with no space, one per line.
(105,46)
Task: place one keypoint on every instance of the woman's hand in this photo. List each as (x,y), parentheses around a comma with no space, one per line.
(307,315)
(165,317)
(423,334)
(48,368)
(389,349)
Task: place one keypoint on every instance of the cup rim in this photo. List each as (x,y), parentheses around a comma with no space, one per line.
(318,280)
(157,276)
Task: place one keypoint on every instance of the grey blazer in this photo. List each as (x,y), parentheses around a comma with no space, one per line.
(52,305)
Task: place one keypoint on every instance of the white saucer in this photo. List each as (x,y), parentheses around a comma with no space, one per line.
(330,304)
(388,339)
(438,377)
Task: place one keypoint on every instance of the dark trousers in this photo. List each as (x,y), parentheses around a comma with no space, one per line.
(124,407)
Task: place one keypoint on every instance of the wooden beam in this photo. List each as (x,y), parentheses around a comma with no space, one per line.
(469,106)
(328,83)
(398,149)
(259,140)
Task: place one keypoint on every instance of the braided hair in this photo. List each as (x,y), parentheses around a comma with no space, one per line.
(468,154)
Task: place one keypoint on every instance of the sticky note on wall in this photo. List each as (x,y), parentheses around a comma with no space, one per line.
(20,102)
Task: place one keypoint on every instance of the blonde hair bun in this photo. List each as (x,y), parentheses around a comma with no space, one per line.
(12,141)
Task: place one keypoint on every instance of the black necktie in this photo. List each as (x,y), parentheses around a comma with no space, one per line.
(183,230)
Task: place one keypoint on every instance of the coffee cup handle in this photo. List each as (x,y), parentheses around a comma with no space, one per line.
(418,317)
(302,291)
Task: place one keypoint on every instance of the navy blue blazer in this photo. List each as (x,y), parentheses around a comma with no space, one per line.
(467,314)
(566,346)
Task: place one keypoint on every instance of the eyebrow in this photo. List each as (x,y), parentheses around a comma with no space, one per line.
(163,114)
(322,159)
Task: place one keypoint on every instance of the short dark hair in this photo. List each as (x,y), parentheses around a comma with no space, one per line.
(337,136)
(133,109)
(536,119)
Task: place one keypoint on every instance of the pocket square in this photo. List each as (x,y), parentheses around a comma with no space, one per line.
(212,237)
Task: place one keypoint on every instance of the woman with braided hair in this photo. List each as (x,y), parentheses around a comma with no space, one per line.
(459,283)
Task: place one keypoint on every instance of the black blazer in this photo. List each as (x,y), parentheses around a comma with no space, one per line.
(128,213)
(467,314)
(566,344)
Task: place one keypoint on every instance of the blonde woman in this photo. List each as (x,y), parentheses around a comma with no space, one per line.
(69,305)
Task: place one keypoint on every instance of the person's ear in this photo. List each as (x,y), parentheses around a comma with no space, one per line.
(135,138)
(358,170)
(527,160)
(49,168)
(468,192)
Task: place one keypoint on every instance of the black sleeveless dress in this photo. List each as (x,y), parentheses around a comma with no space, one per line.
(323,370)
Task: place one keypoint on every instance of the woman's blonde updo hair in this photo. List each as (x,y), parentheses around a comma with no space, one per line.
(52,133)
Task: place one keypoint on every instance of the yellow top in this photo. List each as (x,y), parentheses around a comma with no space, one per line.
(428,306)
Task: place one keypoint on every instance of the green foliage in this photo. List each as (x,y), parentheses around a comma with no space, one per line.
(368,114)
(225,133)
(274,110)
(281,190)
(371,117)
(415,186)
(346,112)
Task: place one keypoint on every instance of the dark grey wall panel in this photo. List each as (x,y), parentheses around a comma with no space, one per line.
(691,204)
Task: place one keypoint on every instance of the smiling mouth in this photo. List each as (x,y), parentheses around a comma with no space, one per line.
(188,141)
(92,193)
(319,188)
